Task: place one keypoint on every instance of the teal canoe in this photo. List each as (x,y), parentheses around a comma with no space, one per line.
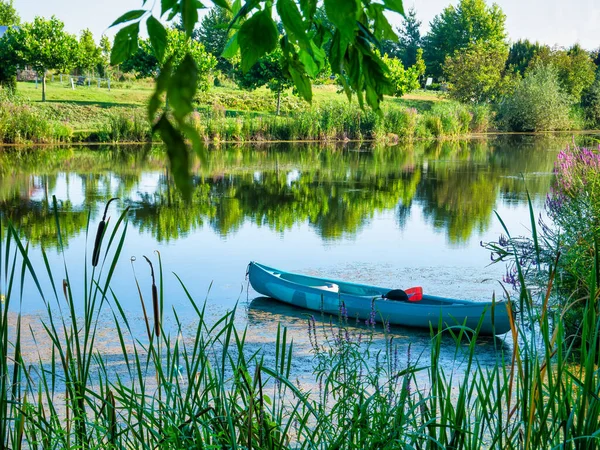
(366,302)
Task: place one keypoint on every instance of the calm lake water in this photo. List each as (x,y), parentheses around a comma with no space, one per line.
(395,216)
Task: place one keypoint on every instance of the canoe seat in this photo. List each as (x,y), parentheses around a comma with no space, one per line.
(330,287)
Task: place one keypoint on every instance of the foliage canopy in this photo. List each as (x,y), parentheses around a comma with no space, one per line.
(43,45)
(470,22)
(476,74)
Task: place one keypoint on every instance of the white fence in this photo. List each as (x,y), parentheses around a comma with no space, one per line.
(75,81)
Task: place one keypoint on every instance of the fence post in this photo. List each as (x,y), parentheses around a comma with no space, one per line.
(108,84)
(72,84)
(61,78)
(36,82)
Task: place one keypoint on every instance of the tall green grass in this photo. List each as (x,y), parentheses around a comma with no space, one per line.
(126,126)
(20,123)
(204,388)
(338,121)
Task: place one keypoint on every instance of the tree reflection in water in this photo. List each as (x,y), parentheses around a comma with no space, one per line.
(337,190)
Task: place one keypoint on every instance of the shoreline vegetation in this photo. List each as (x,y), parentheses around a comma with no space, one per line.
(225,115)
(228,115)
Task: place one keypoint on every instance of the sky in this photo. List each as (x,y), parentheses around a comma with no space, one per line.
(552,22)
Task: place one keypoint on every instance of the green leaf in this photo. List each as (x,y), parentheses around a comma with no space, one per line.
(129,16)
(301,81)
(231,48)
(126,43)
(382,28)
(223,4)
(309,8)
(166,5)
(309,63)
(343,14)
(241,12)
(337,52)
(177,152)
(182,87)
(236,6)
(292,21)
(162,84)
(257,37)
(317,55)
(394,5)
(197,142)
(189,15)
(158,37)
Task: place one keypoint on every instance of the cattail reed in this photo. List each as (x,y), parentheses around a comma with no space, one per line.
(154,300)
(112,418)
(65,286)
(99,234)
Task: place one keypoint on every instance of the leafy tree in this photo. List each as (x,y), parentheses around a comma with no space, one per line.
(537,104)
(576,69)
(10,18)
(521,54)
(405,80)
(146,63)
(213,34)
(8,61)
(88,54)
(590,101)
(8,14)
(476,74)
(104,61)
(456,28)
(143,62)
(267,71)
(43,45)
(409,41)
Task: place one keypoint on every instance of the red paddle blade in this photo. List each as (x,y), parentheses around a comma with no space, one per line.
(415,294)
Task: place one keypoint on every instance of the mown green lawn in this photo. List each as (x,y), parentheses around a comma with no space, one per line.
(133,94)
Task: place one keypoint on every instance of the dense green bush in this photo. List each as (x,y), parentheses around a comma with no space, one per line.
(537,104)
(590,101)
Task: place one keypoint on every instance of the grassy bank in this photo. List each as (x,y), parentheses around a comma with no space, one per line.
(92,114)
(204,387)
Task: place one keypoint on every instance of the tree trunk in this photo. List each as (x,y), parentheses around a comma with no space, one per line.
(44,86)
(278,102)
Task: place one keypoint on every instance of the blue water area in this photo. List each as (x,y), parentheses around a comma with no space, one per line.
(396,216)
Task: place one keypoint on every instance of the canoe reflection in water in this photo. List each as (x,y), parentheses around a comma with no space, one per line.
(413,345)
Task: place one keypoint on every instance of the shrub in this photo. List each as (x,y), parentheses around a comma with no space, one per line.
(590,101)
(537,104)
